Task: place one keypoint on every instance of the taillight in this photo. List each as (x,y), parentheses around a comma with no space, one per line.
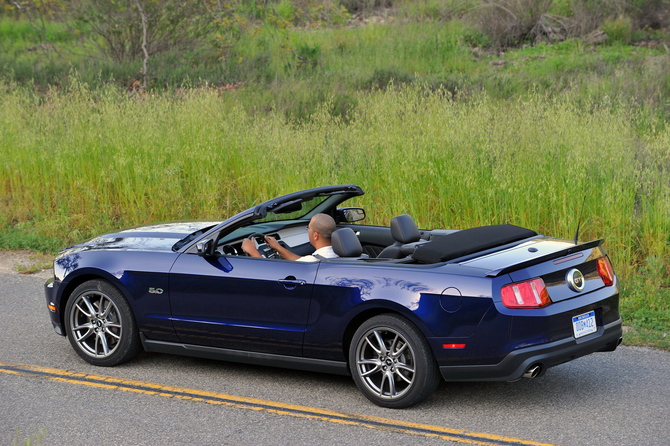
(605,270)
(528,294)
(453,346)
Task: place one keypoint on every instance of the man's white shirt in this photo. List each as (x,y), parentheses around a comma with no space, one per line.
(325,252)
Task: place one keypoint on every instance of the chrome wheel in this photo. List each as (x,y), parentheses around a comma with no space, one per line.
(100,324)
(95,324)
(391,362)
(385,362)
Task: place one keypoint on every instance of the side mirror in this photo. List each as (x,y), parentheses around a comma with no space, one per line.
(205,248)
(351,215)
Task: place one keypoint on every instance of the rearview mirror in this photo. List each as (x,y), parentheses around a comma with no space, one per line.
(205,248)
(288,207)
(351,215)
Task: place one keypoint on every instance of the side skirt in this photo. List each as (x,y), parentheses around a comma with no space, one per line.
(265,359)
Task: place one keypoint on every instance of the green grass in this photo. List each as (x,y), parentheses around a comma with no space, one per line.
(648,310)
(300,68)
(33,439)
(85,161)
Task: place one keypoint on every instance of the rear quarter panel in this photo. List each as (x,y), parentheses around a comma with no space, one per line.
(440,304)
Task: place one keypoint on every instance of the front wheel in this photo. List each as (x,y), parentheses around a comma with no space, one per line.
(392,363)
(100,324)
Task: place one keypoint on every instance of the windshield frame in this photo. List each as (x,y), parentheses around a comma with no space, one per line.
(332,197)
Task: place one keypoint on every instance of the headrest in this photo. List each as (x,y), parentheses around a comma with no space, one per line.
(404,230)
(346,243)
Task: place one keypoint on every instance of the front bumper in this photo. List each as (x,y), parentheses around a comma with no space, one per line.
(50,292)
(517,362)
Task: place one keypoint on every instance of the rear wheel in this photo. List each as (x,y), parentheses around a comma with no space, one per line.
(392,363)
(100,324)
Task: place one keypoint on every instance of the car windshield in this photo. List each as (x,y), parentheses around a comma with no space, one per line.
(290,208)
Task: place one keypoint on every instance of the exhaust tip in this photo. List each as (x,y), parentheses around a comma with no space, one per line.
(533,371)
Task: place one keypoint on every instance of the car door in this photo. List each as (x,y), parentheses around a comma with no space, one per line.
(241,303)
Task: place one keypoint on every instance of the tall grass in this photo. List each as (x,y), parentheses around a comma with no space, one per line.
(83,161)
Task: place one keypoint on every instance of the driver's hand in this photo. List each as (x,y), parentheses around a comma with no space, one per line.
(249,247)
(272,242)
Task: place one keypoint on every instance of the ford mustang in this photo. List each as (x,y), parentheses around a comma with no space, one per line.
(398,309)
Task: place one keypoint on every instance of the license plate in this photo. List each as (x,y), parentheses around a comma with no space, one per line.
(584,324)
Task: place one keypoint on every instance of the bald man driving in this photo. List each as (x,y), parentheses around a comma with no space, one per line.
(319,230)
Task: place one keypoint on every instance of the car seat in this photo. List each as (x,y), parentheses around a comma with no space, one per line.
(404,231)
(346,243)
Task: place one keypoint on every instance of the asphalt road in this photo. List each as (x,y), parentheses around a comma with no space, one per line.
(47,391)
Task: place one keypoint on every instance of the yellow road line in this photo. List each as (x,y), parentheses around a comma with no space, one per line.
(240,402)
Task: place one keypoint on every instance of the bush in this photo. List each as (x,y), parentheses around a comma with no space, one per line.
(382,78)
(619,30)
(654,14)
(437,9)
(116,27)
(509,22)
(355,6)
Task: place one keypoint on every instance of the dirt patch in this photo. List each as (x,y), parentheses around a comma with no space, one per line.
(25,262)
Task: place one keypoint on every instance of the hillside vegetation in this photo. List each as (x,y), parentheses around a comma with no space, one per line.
(453,111)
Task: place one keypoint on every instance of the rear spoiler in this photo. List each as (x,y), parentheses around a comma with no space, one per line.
(545,258)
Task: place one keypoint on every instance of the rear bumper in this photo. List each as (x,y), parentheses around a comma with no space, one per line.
(517,362)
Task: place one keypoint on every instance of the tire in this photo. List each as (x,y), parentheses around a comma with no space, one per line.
(392,363)
(100,324)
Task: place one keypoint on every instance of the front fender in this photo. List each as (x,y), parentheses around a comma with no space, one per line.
(142,278)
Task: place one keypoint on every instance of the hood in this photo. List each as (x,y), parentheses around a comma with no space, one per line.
(156,237)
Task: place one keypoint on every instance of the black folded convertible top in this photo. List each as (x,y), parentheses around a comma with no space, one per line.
(469,241)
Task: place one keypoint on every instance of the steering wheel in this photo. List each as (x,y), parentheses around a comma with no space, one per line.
(262,247)
(255,236)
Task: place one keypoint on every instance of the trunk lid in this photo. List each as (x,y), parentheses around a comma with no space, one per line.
(558,262)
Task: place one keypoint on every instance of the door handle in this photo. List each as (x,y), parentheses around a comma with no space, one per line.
(291,282)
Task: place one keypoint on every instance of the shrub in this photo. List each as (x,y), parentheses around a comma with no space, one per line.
(619,30)
(116,27)
(381,78)
(588,15)
(437,9)
(365,5)
(509,22)
(307,56)
(654,14)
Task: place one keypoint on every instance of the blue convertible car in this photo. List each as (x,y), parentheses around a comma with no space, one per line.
(398,310)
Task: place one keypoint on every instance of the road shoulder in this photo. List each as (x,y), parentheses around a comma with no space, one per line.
(24,262)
